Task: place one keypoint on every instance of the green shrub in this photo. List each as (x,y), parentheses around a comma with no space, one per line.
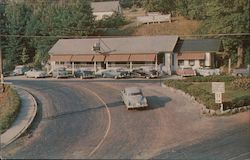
(243,83)
(178,84)
(219,78)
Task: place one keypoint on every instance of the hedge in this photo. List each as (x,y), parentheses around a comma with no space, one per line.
(205,97)
(216,78)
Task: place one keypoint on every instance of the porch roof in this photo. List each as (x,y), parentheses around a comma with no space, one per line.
(61,58)
(142,57)
(191,56)
(117,58)
(82,58)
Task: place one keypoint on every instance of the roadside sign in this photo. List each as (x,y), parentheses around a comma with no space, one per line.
(218,87)
(218,97)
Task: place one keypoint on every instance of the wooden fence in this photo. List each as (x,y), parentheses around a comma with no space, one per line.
(153,18)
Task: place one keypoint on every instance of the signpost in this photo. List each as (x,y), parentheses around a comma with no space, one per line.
(218,88)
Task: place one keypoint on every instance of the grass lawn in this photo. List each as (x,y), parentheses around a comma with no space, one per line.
(230,91)
(237,91)
(9,107)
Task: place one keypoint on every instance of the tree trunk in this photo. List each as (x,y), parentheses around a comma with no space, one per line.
(240,56)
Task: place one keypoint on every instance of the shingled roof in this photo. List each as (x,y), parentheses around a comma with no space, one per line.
(200,45)
(108,6)
(120,45)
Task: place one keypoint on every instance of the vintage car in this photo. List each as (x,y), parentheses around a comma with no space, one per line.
(60,73)
(208,71)
(34,73)
(83,74)
(133,98)
(185,71)
(112,73)
(141,73)
(241,72)
(20,70)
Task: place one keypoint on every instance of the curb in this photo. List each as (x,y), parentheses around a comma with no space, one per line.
(34,106)
(204,110)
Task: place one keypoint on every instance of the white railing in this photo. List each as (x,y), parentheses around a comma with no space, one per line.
(152,18)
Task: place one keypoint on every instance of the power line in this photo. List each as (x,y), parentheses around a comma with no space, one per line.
(73,36)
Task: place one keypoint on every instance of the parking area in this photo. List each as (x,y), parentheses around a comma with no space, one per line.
(171,122)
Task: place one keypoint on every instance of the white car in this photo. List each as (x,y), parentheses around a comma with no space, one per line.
(133,98)
(33,73)
(208,71)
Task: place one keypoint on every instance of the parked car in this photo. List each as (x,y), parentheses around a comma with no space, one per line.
(141,73)
(112,73)
(138,73)
(185,71)
(84,74)
(60,73)
(34,73)
(152,74)
(133,98)
(20,70)
(241,72)
(208,71)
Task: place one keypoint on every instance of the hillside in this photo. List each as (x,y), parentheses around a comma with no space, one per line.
(179,26)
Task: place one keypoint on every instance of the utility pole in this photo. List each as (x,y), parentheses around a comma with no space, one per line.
(1,71)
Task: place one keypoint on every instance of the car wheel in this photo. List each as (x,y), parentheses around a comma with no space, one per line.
(240,75)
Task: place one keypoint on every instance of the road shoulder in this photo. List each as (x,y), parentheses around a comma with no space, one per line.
(23,120)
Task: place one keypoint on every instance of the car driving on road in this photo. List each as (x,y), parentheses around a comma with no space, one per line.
(133,98)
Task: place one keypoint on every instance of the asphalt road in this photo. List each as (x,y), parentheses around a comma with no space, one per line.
(87,119)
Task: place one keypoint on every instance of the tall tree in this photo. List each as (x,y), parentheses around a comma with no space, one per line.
(163,6)
(229,16)
(17,16)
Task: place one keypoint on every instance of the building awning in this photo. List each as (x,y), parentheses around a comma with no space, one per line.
(117,58)
(190,56)
(99,58)
(142,57)
(61,58)
(82,58)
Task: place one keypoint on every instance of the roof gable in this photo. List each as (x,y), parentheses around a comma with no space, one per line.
(200,45)
(121,45)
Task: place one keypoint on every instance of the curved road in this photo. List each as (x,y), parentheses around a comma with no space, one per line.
(87,119)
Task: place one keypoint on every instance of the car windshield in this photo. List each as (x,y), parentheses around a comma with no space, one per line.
(135,93)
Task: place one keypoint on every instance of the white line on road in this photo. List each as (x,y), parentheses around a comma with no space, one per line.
(109,123)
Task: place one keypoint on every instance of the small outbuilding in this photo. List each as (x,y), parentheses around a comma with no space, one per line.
(105,9)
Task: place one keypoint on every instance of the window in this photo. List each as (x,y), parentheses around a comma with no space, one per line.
(191,62)
(202,62)
(180,62)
